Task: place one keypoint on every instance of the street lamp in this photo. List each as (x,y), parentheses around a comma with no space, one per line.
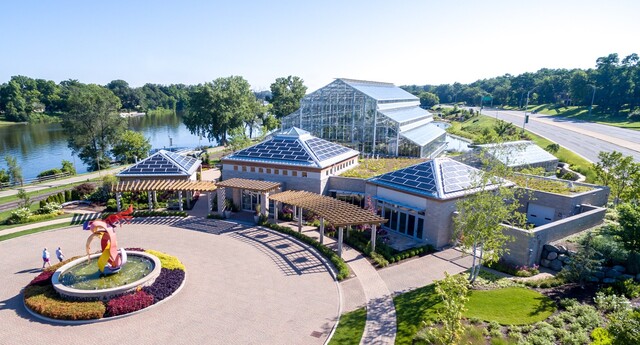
(526,108)
(593,96)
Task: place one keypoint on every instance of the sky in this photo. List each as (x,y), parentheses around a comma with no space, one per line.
(402,42)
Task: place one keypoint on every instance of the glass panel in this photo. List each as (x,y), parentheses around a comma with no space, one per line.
(394,220)
(411,225)
(402,226)
(387,216)
(420,228)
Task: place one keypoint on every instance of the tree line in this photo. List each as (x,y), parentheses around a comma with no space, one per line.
(89,113)
(616,83)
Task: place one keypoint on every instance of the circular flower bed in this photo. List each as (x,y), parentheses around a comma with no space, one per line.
(41,298)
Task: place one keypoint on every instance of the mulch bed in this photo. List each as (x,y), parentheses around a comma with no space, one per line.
(583,295)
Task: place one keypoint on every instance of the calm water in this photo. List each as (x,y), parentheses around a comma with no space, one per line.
(40,147)
(86,276)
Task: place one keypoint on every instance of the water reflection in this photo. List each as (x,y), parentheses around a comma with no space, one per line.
(39,147)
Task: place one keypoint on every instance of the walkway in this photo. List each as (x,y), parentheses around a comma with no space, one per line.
(61,182)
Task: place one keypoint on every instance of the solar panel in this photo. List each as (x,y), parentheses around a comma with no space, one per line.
(456,176)
(286,149)
(420,177)
(325,149)
(162,163)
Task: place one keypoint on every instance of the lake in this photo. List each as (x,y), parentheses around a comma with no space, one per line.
(39,147)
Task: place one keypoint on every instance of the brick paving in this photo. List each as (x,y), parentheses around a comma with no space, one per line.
(235,293)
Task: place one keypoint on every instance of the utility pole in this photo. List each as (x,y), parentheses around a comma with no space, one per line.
(593,96)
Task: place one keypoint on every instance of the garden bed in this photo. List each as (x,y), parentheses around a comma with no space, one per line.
(42,300)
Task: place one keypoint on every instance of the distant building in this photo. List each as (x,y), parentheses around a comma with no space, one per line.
(517,155)
(294,157)
(372,117)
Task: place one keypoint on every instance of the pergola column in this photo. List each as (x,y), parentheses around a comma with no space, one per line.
(275,211)
(264,204)
(209,201)
(295,211)
(188,194)
(373,237)
(299,219)
(119,201)
(155,197)
(150,200)
(340,241)
(180,200)
(321,230)
(348,230)
(221,193)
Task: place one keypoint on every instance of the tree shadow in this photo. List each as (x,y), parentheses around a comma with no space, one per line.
(544,305)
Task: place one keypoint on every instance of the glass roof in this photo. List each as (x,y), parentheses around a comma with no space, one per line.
(405,114)
(518,153)
(379,91)
(423,135)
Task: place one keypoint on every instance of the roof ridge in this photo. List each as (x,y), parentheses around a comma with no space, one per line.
(381,83)
(166,155)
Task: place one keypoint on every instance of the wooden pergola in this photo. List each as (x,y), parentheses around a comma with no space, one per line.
(336,212)
(163,185)
(238,184)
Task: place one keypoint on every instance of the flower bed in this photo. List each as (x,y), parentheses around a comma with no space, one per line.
(41,298)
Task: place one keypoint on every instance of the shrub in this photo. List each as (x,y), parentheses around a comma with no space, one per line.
(44,300)
(611,303)
(112,205)
(129,303)
(215,216)
(165,285)
(601,336)
(67,195)
(379,260)
(55,267)
(50,172)
(20,215)
(627,288)
(84,190)
(43,278)
(49,208)
(566,303)
(545,283)
(168,261)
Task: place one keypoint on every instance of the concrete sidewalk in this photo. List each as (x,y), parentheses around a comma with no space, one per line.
(61,182)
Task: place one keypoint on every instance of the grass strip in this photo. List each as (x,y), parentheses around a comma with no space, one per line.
(350,328)
(33,231)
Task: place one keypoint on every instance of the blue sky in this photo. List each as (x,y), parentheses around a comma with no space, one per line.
(403,42)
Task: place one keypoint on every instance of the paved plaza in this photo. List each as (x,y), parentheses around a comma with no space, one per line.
(243,286)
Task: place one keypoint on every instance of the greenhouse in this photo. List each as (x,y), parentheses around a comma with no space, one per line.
(371,117)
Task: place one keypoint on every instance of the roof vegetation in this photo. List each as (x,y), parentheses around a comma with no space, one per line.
(550,186)
(370,167)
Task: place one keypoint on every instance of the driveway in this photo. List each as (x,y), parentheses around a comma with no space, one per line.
(244,286)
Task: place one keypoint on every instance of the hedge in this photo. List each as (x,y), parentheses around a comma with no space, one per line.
(338,262)
(168,261)
(45,301)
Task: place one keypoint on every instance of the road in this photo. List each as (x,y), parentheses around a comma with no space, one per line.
(584,138)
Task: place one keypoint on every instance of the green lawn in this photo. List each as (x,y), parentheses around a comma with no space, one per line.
(412,308)
(33,231)
(582,113)
(5,227)
(509,306)
(11,198)
(350,328)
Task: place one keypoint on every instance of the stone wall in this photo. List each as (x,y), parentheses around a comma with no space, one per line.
(527,246)
(347,183)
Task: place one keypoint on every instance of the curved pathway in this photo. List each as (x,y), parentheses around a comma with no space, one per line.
(244,286)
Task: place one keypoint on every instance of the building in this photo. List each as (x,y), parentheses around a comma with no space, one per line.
(162,165)
(519,155)
(294,158)
(419,201)
(372,117)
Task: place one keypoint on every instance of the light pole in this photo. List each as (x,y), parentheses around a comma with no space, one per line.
(526,108)
(593,96)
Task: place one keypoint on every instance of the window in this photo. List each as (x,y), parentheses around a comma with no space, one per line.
(327,173)
(260,170)
(402,224)
(268,171)
(285,172)
(411,225)
(276,171)
(420,228)
(253,169)
(235,167)
(304,174)
(294,173)
(244,168)
(394,220)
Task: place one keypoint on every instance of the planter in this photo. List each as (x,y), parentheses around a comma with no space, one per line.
(227,214)
(256,218)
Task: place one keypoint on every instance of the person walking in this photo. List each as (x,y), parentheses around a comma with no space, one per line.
(45,258)
(59,254)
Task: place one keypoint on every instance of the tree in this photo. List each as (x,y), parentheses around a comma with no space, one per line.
(454,292)
(4,177)
(629,230)
(92,123)
(583,264)
(130,98)
(25,200)
(488,204)
(286,94)
(238,140)
(428,99)
(216,108)
(14,170)
(504,128)
(552,148)
(616,172)
(68,167)
(130,146)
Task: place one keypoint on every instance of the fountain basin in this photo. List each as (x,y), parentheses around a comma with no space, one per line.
(87,284)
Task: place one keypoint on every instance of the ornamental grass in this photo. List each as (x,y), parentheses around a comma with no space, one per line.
(45,301)
(168,261)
